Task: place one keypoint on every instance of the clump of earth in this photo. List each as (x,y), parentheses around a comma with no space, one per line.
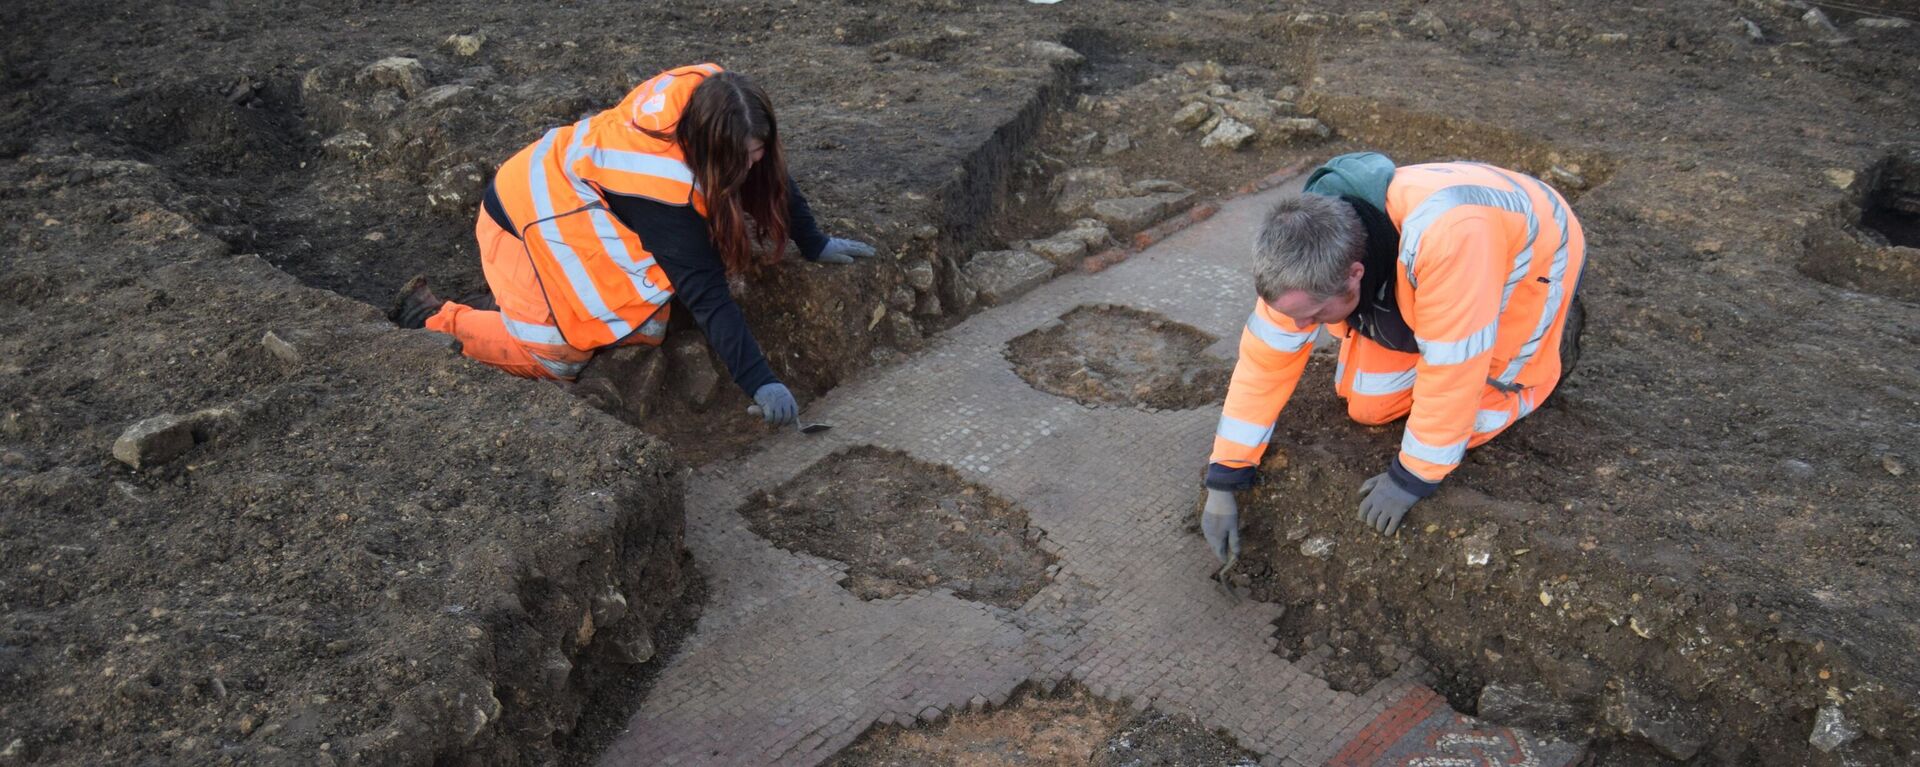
(1069,727)
(1118,355)
(901,525)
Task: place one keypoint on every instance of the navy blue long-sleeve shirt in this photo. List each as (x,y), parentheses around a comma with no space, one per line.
(677,237)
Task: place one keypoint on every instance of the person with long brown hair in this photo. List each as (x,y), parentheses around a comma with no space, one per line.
(587,234)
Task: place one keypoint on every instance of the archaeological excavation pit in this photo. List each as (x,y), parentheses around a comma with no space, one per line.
(901,525)
(1116,355)
(1068,728)
(1893,206)
(1879,252)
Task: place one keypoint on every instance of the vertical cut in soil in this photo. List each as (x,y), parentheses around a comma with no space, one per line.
(903,525)
(1070,728)
(1117,355)
(1880,253)
(1893,207)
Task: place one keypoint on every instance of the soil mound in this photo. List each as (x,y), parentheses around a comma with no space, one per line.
(902,525)
(1118,355)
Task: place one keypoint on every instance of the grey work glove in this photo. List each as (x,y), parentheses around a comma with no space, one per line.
(776,403)
(1220,522)
(1383,503)
(841,251)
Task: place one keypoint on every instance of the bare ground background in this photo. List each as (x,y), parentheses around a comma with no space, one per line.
(374,550)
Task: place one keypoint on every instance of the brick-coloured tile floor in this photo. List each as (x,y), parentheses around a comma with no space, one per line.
(787,667)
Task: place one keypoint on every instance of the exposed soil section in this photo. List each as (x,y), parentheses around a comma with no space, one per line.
(348,544)
(1065,729)
(1118,355)
(1872,242)
(901,526)
(1893,204)
(1701,547)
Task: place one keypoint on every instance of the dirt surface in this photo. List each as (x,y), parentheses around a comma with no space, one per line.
(901,526)
(363,549)
(1068,727)
(1115,355)
(1715,514)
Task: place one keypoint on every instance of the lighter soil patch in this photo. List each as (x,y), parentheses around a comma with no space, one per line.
(1069,729)
(1116,355)
(902,525)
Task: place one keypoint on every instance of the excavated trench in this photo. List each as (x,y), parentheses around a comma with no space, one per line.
(313,141)
(1871,242)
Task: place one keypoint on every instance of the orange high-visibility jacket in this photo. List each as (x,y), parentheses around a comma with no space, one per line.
(599,279)
(1482,272)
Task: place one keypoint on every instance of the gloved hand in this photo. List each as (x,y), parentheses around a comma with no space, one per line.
(1220,522)
(840,251)
(1383,503)
(776,403)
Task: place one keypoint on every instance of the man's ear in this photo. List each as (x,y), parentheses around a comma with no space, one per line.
(1356,269)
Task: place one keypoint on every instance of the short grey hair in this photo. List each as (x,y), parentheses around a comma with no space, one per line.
(1307,244)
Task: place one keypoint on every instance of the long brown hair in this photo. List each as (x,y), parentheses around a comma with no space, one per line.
(723,114)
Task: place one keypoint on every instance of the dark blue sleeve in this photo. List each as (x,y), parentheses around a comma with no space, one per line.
(1223,478)
(1409,481)
(801,228)
(676,235)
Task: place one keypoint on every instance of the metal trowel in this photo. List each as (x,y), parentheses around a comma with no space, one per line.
(1221,582)
(803,426)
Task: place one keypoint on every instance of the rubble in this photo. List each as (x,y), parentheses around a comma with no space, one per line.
(1831,730)
(154,441)
(1065,247)
(1672,730)
(1191,115)
(1003,275)
(465,45)
(401,73)
(1228,134)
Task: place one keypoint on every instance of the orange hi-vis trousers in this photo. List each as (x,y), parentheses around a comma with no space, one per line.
(521,338)
(1377,384)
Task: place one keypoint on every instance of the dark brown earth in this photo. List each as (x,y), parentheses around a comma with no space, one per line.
(1067,727)
(1116,355)
(902,526)
(1716,513)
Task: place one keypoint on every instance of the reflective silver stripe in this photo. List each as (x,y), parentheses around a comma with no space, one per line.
(661,85)
(534,333)
(1241,432)
(1456,352)
(1444,200)
(561,369)
(1445,456)
(641,163)
(605,229)
(603,226)
(1339,372)
(1556,289)
(1489,420)
(1526,403)
(577,277)
(1523,260)
(1376,384)
(1276,338)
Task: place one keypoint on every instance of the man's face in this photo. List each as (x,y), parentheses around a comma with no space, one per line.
(1307,309)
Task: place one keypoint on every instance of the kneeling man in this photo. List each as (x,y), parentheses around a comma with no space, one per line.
(1449,287)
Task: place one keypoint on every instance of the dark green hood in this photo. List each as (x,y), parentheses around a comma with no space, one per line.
(1364,175)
